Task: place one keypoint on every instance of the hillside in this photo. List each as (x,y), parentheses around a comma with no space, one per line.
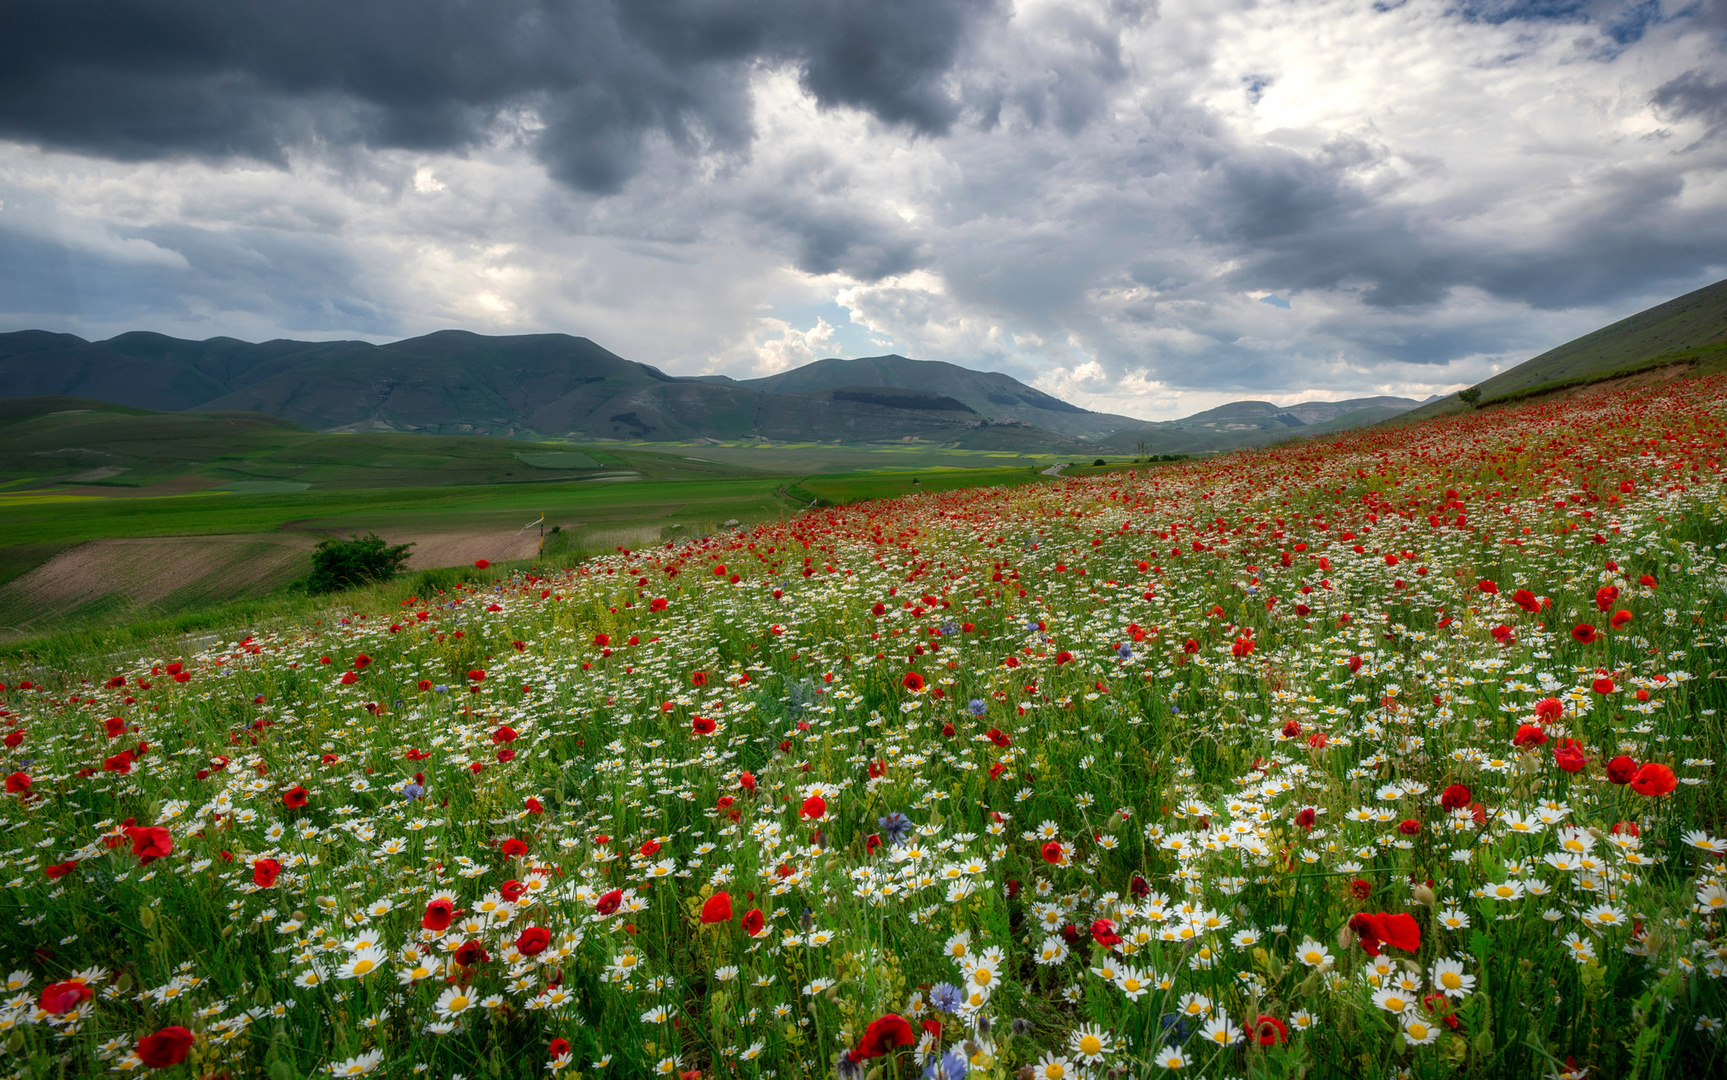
(1692,327)
(985,393)
(1239,424)
(454,382)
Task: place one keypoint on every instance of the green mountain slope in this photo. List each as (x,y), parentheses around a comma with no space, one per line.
(989,394)
(1691,327)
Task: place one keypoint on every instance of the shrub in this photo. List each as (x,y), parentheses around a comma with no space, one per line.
(1469,396)
(359,560)
(1099,461)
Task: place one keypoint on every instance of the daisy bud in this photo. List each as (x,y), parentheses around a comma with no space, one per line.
(1424,896)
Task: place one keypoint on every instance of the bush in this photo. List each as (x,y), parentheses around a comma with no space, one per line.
(1469,396)
(1099,461)
(360,560)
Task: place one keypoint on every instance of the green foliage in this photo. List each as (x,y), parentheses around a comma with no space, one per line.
(1469,396)
(360,560)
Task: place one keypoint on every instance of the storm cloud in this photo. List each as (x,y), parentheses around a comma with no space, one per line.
(1143,206)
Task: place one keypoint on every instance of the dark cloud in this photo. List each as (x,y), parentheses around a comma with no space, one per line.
(1694,94)
(207,77)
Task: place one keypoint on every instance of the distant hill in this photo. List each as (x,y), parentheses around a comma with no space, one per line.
(1692,327)
(539,385)
(986,393)
(1254,423)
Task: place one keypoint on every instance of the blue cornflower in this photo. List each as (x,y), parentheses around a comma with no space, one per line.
(946,997)
(950,627)
(1177,1027)
(441,689)
(896,826)
(977,706)
(1124,650)
(411,792)
(951,1066)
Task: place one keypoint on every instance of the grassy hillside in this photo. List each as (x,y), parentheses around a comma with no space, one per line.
(986,393)
(1690,329)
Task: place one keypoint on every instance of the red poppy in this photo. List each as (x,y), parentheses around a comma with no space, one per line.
(1621,769)
(62,997)
(477,675)
(1305,817)
(1488,587)
(883,1036)
(1526,600)
(294,798)
(913,681)
(1054,853)
(264,872)
(1409,827)
(998,737)
(469,953)
(1619,619)
(1584,633)
(17,784)
(149,843)
(747,781)
(753,921)
(698,678)
(1602,686)
(481,564)
(1399,931)
(1549,710)
(114,726)
(558,1048)
(1654,779)
(1568,755)
(1605,595)
(1529,735)
(513,848)
(56,871)
(718,908)
(512,890)
(702,725)
(505,734)
(1360,889)
(1455,797)
(533,941)
(438,915)
(609,902)
(1270,1031)
(167,1047)
(1103,932)
(814,807)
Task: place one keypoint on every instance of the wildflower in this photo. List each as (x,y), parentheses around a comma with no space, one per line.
(165,1048)
(1654,780)
(359,1065)
(1170,1058)
(1450,979)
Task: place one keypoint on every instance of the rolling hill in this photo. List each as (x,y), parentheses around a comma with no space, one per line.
(1254,423)
(986,394)
(541,386)
(453,382)
(1690,329)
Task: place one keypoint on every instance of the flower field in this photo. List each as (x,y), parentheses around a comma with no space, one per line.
(1389,755)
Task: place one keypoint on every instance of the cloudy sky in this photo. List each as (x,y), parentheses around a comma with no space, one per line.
(1144,206)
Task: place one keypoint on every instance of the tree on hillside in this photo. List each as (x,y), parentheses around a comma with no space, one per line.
(360,560)
(1469,396)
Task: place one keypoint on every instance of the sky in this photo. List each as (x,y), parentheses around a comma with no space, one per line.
(1146,207)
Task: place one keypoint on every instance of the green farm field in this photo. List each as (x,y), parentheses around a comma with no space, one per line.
(115,516)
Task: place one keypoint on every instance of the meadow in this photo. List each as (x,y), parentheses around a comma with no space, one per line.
(1387,755)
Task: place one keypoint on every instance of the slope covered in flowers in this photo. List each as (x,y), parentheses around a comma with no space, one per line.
(1388,755)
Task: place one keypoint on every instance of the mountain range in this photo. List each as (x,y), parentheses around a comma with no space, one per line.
(558,386)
